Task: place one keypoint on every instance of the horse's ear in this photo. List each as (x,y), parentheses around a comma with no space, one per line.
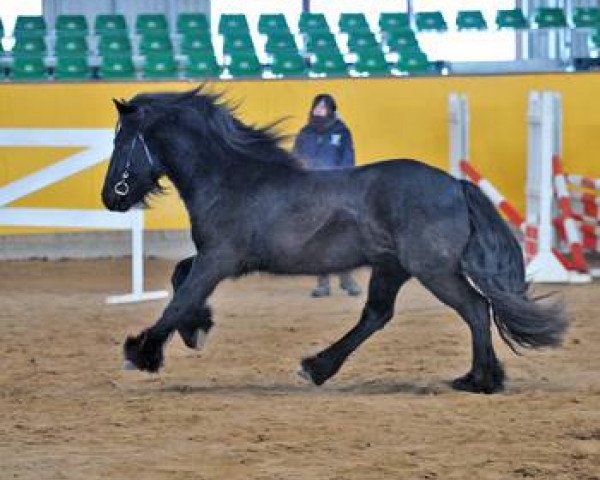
(124,108)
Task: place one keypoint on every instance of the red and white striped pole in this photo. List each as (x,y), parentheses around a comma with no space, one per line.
(570,226)
(590,234)
(584,182)
(585,204)
(501,203)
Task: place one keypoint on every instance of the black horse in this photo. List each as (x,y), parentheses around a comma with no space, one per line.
(254,208)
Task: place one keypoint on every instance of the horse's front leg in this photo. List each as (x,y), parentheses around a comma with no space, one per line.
(188,305)
(192,330)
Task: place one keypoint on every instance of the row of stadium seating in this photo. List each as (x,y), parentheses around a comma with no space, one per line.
(583,17)
(154,52)
(190,52)
(201,42)
(243,64)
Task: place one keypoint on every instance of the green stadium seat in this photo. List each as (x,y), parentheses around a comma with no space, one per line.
(71,46)
(160,65)
(330,63)
(155,42)
(33,46)
(470,20)
(289,64)
(114,44)
(319,41)
(550,18)
(595,40)
(234,43)
(76,25)
(401,39)
(110,24)
(202,65)
(274,23)
(312,22)
(588,17)
(513,19)
(362,41)
(245,64)
(29,26)
(72,68)
(409,49)
(114,67)
(393,22)
(233,24)
(413,62)
(431,22)
(150,23)
(353,23)
(28,68)
(280,42)
(372,62)
(193,42)
(192,23)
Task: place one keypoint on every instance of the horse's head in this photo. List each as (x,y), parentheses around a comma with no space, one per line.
(133,171)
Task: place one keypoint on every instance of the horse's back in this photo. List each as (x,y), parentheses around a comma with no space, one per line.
(340,219)
(409,170)
(412,185)
(425,209)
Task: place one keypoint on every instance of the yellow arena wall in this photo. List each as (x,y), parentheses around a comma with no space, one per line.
(389,118)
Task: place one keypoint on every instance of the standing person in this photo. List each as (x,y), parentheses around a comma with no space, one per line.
(326,143)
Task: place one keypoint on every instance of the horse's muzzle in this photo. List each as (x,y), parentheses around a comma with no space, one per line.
(114,202)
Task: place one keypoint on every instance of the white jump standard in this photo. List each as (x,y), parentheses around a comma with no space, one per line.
(98,143)
(545,262)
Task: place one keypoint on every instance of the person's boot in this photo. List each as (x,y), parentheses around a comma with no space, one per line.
(348,284)
(322,289)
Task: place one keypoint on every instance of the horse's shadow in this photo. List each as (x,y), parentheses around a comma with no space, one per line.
(368,387)
(269,389)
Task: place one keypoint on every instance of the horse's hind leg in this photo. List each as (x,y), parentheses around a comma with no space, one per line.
(486,374)
(383,287)
(193,331)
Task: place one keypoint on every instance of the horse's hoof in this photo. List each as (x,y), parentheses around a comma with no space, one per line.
(304,374)
(462,384)
(194,340)
(194,333)
(128,365)
(468,383)
(309,370)
(144,351)
(199,339)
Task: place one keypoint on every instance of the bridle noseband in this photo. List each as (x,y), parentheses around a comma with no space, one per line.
(122,187)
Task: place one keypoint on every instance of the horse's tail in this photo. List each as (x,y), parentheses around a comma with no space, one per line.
(493,264)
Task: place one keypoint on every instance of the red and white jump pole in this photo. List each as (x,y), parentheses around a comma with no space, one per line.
(586,205)
(572,234)
(584,193)
(514,217)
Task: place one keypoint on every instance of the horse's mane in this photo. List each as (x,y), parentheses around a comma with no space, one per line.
(247,142)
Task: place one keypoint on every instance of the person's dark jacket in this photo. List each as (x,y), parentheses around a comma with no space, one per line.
(325,148)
